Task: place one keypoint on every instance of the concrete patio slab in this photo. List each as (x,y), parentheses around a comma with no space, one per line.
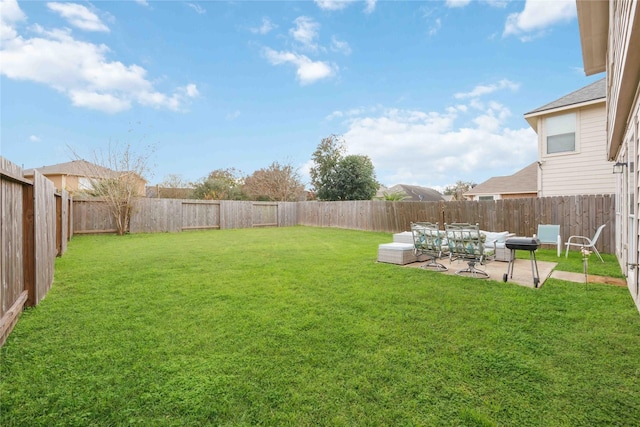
(522,274)
(579,278)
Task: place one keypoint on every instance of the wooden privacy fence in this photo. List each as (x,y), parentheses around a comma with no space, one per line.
(173,215)
(35,228)
(576,215)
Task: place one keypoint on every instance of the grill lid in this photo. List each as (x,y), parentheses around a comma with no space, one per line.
(522,243)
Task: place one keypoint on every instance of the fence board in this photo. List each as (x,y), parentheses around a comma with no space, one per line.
(11,257)
(264,214)
(200,214)
(236,214)
(45,229)
(156,215)
(92,216)
(31,234)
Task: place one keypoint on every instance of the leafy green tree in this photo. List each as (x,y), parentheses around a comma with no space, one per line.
(457,190)
(355,179)
(220,184)
(336,177)
(325,161)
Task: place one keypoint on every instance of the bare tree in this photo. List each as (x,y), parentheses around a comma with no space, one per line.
(116,175)
(457,190)
(173,186)
(173,180)
(278,182)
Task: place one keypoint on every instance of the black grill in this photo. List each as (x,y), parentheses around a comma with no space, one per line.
(530,244)
(522,243)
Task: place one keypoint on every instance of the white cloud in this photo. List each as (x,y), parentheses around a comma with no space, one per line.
(537,16)
(234,115)
(98,101)
(371,6)
(333,4)
(353,112)
(457,3)
(308,71)
(266,27)
(34,138)
(487,89)
(199,9)
(142,2)
(436,149)
(191,90)
(435,27)
(305,32)
(78,69)
(79,16)
(497,3)
(340,46)
(10,14)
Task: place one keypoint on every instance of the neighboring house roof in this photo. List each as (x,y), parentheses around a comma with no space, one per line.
(416,193)
(523,181)
(74,168)
(593,93)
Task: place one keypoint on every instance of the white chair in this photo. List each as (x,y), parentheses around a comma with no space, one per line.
(549,234)
(585,242)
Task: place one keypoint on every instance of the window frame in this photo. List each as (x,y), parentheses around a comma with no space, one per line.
(576,133)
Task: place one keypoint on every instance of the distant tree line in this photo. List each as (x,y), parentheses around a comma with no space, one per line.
(334,176)
(118,171)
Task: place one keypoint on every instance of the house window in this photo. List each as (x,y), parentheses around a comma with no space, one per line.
(485,197)
(84,183)
(561,133)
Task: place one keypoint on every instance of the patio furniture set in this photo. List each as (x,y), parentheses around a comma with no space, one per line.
(467,243)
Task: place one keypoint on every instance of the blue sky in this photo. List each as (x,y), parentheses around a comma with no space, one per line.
(433,92)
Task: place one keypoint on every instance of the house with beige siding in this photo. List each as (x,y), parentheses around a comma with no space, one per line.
(571,135)
(78,176)
(523,183)
(610,39)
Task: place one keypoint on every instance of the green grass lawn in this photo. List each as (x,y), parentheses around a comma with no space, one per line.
(300,326)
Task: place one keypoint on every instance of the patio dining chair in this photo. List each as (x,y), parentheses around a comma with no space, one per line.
(429,240)
(468,244)
(585,242)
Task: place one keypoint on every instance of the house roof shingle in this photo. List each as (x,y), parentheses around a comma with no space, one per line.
(523,181)
(417,193)
(74,168)
(594,91)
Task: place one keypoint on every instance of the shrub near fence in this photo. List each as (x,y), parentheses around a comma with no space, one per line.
(35,228)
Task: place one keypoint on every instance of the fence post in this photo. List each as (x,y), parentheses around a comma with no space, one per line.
(29,247)
(58,199)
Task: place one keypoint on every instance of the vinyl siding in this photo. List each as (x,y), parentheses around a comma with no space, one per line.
(585,171)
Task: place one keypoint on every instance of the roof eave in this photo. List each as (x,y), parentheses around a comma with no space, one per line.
(593,21)
(532,118)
